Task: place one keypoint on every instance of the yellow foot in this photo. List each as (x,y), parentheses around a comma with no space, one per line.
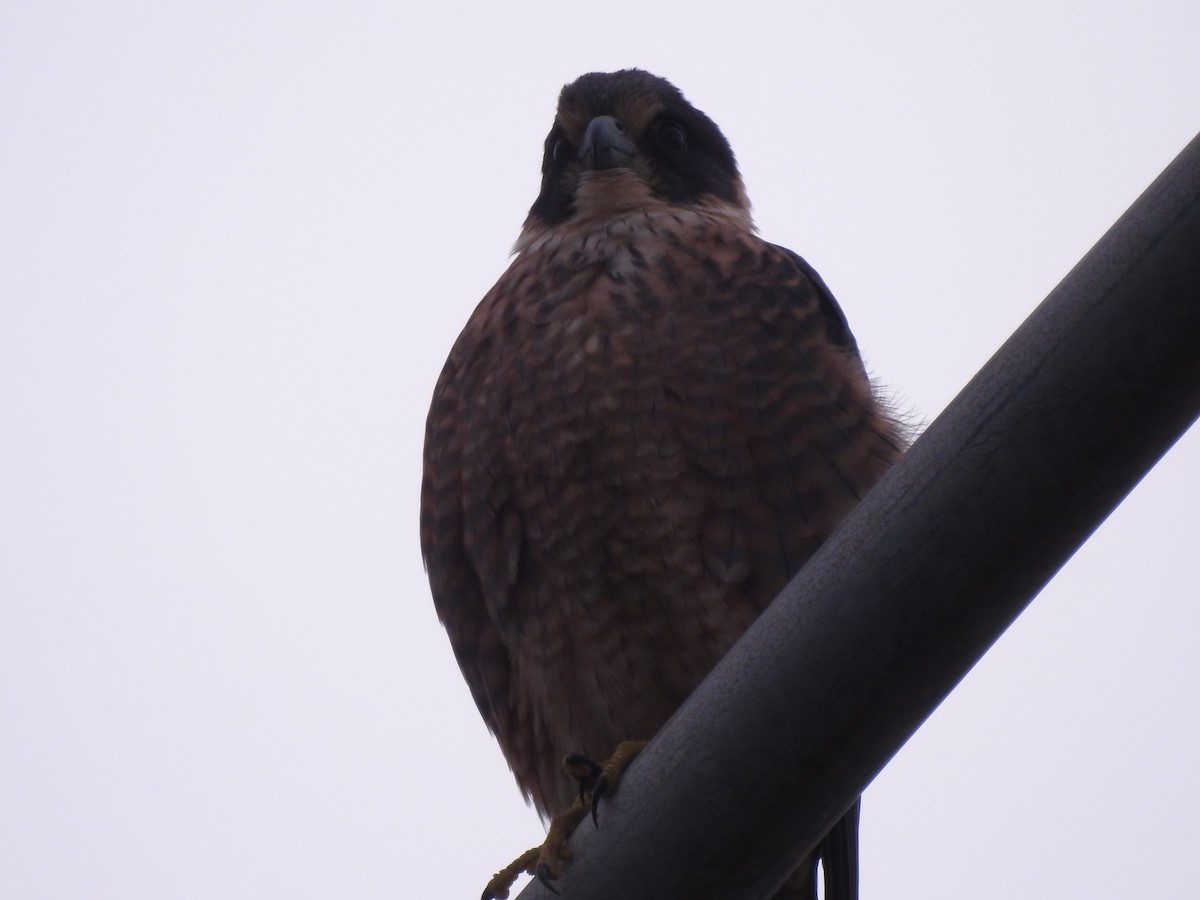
(611,773)
(546,861)
(502,881)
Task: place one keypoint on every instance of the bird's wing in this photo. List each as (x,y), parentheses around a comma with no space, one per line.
(838,329)
(454,576)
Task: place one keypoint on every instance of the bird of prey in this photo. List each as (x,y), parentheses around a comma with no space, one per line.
(647,426)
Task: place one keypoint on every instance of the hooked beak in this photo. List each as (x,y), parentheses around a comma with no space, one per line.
(605,145)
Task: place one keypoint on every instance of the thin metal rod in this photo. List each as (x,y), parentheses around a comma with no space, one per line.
(925,575)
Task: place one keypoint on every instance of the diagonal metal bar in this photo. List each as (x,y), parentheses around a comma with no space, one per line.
(926,574)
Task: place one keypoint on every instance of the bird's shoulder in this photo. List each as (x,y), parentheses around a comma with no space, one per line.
(697,262)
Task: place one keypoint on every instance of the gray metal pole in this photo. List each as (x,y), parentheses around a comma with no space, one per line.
(931,568)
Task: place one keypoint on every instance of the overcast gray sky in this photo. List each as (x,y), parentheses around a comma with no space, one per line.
(236,243)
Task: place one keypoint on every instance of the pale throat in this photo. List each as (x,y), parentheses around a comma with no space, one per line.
(614,210)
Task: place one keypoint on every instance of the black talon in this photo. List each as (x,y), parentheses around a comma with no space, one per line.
(598,791)
(573,763)
(543,875)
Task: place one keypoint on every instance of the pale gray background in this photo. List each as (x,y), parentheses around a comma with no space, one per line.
(236,243)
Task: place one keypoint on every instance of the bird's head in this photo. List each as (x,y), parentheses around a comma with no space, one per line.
(628,141)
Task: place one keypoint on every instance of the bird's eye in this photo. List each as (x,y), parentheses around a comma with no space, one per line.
(671,135)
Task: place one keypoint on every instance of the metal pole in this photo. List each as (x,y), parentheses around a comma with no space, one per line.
(925,575)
